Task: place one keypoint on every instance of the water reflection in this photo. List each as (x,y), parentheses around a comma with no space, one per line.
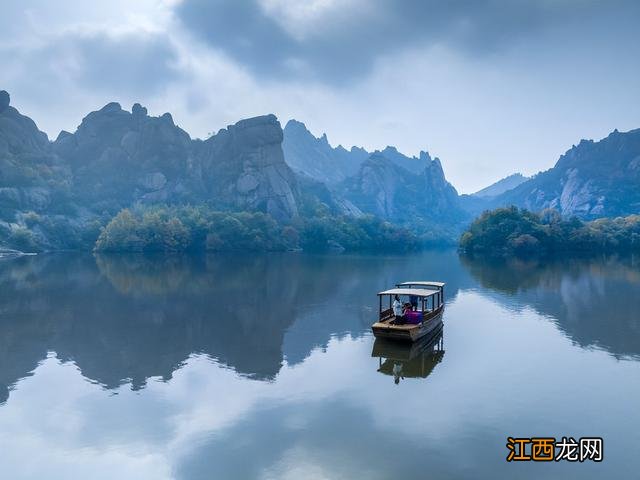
(409,360)
(261,367)
(126,318)
(594,301)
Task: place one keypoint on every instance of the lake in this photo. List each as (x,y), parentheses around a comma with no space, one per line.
(263,367)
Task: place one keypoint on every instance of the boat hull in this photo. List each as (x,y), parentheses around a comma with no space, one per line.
(409,333)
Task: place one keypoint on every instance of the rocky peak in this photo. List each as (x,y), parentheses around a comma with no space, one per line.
(119,157)
(257,132)
(385,189)
(412,164)
(359,150)
(378,186)
(28,168)
(18,133)
(424,156)
(243,167)
(592,179)
(138,111)
(5,100)
(316,158)
(433,172)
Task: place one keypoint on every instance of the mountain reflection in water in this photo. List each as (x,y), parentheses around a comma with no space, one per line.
(264,366)
(125,318)
(593,301)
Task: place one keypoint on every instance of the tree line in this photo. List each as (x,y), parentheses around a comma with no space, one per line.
(199,228)
(519,232)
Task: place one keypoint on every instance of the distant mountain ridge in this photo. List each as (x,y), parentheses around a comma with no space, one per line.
(501,186)
(316,158)
(385,189)
(53,190)
(116,159)
(591,180)
(386,183)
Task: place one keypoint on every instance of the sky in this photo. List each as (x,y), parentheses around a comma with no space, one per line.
(491,87)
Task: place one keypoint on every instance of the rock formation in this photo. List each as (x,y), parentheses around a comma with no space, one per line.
(385,189)
(4,100)
(592,179)
(316,158)
(243,167)
(118,158)
(51,191)
(31,176)
(411,164)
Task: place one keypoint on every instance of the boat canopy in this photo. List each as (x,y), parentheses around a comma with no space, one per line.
(416,292)
(421,284)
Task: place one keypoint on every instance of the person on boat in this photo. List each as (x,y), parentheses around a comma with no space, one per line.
(398,311)
(413,300)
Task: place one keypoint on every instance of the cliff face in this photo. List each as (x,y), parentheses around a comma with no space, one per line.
(243,166)
(592,179)
(387,190)
(118,158)
(385,183)
(380,186)
(32,177)
(412,164)
(28,168)
(317,159)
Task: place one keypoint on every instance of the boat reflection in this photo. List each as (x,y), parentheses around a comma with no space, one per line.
(415,360)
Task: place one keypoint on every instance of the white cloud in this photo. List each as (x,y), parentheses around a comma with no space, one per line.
(516,108)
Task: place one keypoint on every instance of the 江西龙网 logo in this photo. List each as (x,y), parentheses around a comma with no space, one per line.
(548,449)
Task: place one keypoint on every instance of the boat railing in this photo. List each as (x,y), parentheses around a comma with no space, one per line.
(384,314)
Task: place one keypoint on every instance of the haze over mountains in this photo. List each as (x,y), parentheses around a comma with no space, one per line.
(590,180)
(501,186)
(386,183)
(117,158)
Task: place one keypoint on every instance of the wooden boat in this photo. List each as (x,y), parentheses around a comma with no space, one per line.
(414,360)
(424,304)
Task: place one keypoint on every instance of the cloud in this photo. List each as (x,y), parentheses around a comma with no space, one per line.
(490,86)
(131,63)
(337,42)
(76,71)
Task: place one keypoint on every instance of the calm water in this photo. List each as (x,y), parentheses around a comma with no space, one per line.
(264,367)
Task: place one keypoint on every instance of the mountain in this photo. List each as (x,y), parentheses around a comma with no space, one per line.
(119,158)
(383,188)
(385,183)
(243,167)
(501,186)
(29,169)
(412,164)
(317,159)
(52,192)
(592,179)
